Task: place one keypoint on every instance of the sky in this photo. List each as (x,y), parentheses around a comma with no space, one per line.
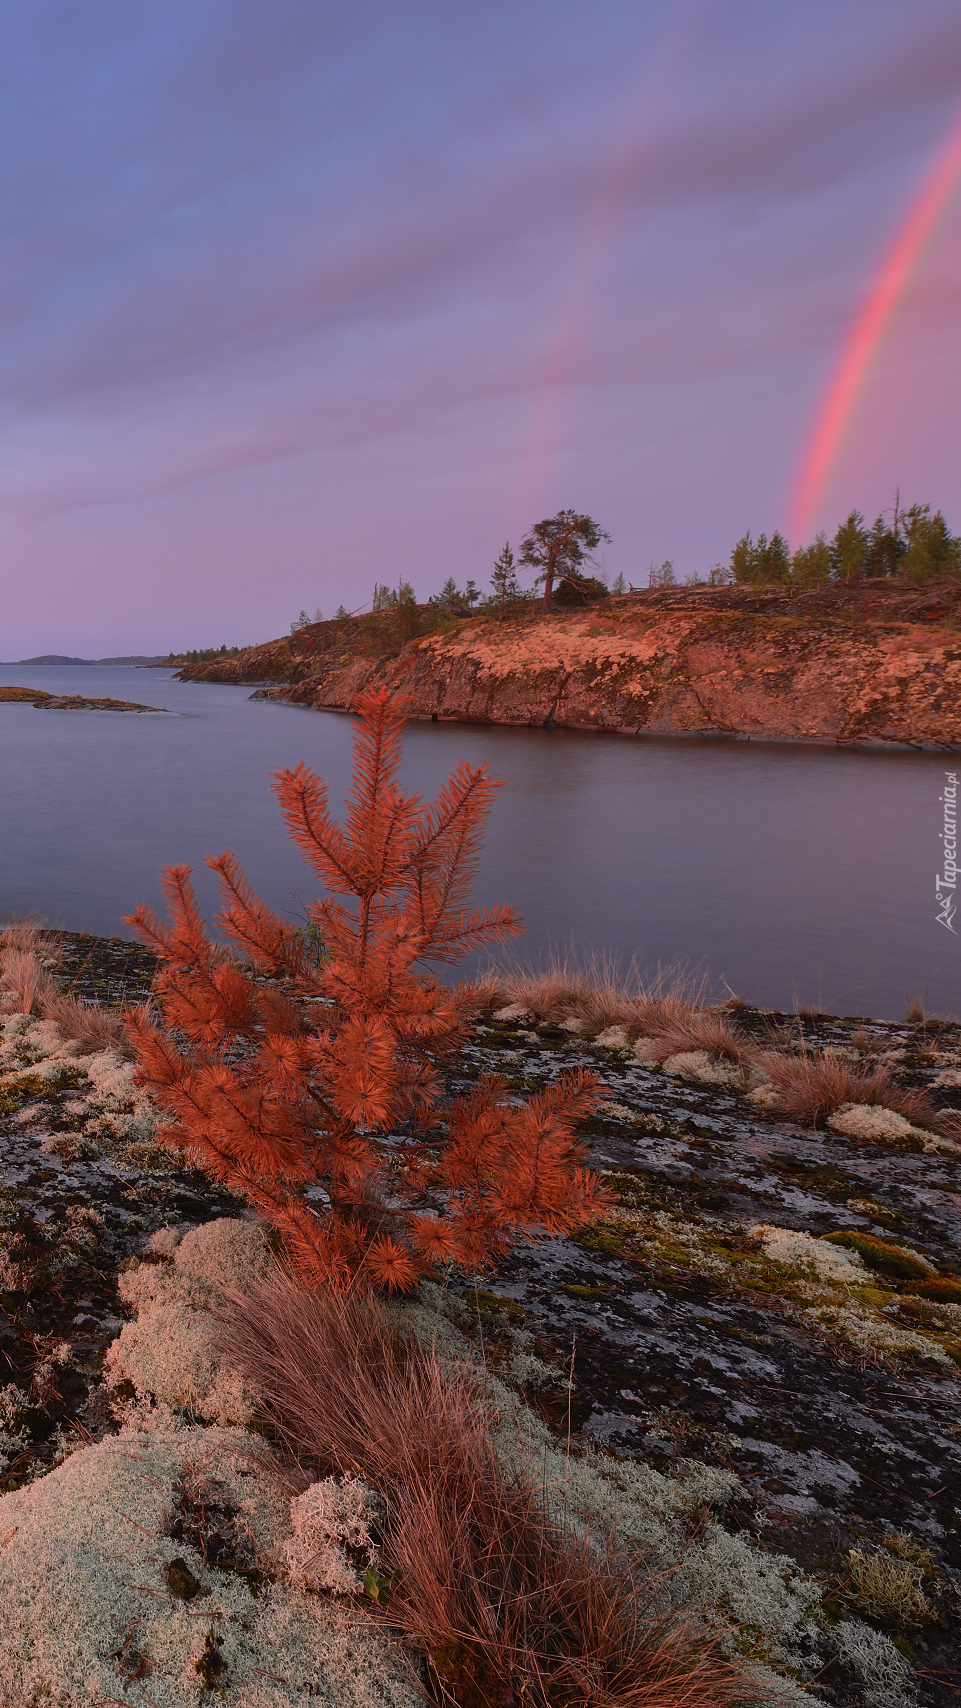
(298,296)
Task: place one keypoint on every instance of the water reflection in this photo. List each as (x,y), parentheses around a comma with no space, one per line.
(792,873)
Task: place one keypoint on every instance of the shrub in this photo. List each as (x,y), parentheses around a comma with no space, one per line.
(507,1603)
(311,1087)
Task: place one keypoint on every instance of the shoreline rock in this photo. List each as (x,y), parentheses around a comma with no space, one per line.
(871,666)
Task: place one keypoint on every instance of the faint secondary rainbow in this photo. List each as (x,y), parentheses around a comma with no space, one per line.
(873,318)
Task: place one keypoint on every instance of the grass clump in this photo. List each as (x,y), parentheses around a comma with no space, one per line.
(28,957)
(591,995)
(813,1085)
(505,1599)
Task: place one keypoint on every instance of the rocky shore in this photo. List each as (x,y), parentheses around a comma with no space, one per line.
(803,1389)
(871,665)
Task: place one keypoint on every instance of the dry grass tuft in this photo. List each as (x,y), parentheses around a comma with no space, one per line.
(28,937)
(26,987)
(506,1603)
(810,1087)
(703,1029)
(23,980)
(592,988)
(89,1028)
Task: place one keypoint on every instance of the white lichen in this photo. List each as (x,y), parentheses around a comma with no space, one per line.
(817,1257)
(704,1069)
(331,1516)
(873,1122)
(648,1051)
(614,1038)
(87,1610)
(169,1353)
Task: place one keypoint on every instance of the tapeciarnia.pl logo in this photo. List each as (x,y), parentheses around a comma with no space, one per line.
(946,885)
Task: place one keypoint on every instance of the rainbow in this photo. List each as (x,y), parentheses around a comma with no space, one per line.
(877,309)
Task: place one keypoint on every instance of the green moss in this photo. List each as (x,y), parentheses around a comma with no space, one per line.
(575,1291)
(879,1254)
(599,1237)
(493,1304)
(39,1086)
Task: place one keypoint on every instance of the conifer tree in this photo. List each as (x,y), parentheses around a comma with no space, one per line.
(312,1086)
(504,578)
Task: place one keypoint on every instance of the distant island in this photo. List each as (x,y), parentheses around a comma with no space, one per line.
(41,701)
(61,658)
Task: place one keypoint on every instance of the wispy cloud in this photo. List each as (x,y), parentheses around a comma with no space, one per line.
(237,235)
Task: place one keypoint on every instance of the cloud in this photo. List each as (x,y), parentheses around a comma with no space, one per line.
(240,233)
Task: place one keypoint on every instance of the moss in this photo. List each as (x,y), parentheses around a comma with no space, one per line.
(575,1291)
(880,1254)
(599,1237)
(493,1304)
(44,1084)
(946,1289)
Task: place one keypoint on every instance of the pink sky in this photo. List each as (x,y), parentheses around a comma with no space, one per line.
(297,297)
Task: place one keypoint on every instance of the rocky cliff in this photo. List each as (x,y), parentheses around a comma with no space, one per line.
(874,665)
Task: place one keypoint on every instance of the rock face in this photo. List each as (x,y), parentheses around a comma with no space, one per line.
(875,664)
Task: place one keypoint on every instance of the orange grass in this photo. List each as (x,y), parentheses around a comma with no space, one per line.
(810,1087)
(24,981)
(507,1603)
(702,1029)
(25,955)
(669,1008)
(589,987)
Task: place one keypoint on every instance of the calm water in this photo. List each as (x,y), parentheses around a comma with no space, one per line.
(791,873)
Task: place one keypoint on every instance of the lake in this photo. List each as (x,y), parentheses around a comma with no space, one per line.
(790,874)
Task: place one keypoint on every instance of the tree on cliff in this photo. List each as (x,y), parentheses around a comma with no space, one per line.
(504,579)
(313,1087)
(931,551)
(762,562)
(558,546)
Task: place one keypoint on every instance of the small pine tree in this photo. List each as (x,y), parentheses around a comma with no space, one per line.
(450,595)
(930,551)
(504,578)
(283,1072)
(761,563)
(850,549)
(811,565)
